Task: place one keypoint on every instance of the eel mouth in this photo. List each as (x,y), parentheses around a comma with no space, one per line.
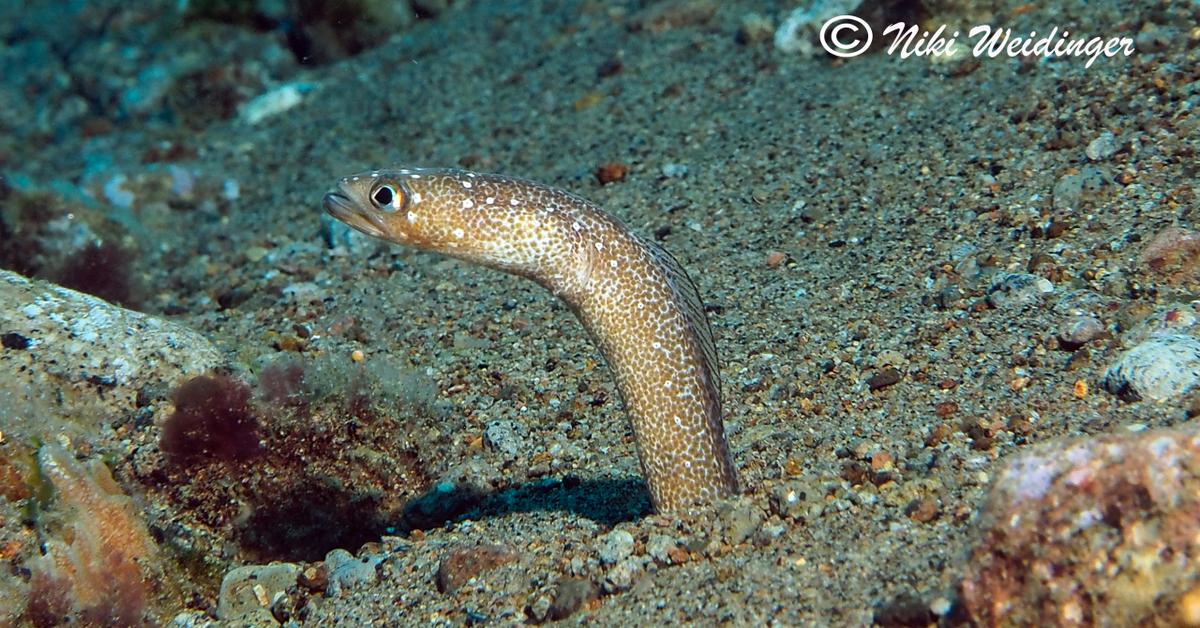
(344,208)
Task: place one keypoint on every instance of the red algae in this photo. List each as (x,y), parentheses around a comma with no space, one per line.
(99,564)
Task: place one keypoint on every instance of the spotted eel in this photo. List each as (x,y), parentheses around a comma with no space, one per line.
(634,299)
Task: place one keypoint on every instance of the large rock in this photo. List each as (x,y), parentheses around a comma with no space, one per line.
(68,357)
(1102,531)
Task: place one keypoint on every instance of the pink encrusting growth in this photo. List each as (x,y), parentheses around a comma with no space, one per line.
(634,299)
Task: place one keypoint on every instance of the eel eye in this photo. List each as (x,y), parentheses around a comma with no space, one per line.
(386,197)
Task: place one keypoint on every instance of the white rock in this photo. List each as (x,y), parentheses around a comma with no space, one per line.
(800,28)
(1159,369)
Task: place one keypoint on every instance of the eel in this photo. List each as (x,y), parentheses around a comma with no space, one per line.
(635,300)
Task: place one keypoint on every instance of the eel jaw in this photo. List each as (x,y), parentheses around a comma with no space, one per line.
(346,210)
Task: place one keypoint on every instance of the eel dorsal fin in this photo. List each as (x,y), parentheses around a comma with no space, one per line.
(688,295)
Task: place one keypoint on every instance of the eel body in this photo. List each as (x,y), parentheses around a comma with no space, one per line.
(634,299)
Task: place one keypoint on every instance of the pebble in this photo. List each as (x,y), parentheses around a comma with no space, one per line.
(659,546)
(755,28)
(611,173)
(303,292)
(884,378)
(1080,330)
(247,591)
(462,565)
(347,572)
(796,499)
(674,171)
(274,102)
(1010,290)
(623,575)
(1071,189)
(1189,608)
(1161,368)
(571,595)
(255,253)
(741,519)
(504,437)
(1102,147)
(615,546)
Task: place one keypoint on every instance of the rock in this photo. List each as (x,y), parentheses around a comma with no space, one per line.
(797,499)
(1173,252)
(1103,147)
(1072,190)
(572,594)
(741,518)
(623,574)
(615,546)
(461,565)
(659,547)
(674,170)
(754,28)
(247,593)
(1163,367)
(885,377)
(72,355)
(347,572)
(1080,330)
(193,619)
(504,437)
(1068,191)
(799,30)
(1011,290)
(1169,318)
(1099,531)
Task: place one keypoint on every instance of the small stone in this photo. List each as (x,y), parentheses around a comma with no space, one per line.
(796,499)
(674,171)
(615,546)
(571,595)
(462,565)
(347,572)
(1011,290)
(755,28)
(1068,192)
(887,377)
(922,510)
(904,610)
(314,577)
(1080,330)
(504,437)
(1102,147)
(622,575)
(775,258)
(678,555)
(247,591)
(658,546)
(611,173)
(539,609)
(255,253)
(13,340)
(1189,608)
(741,519)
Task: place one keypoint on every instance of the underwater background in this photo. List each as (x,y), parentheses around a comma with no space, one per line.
(954,297)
